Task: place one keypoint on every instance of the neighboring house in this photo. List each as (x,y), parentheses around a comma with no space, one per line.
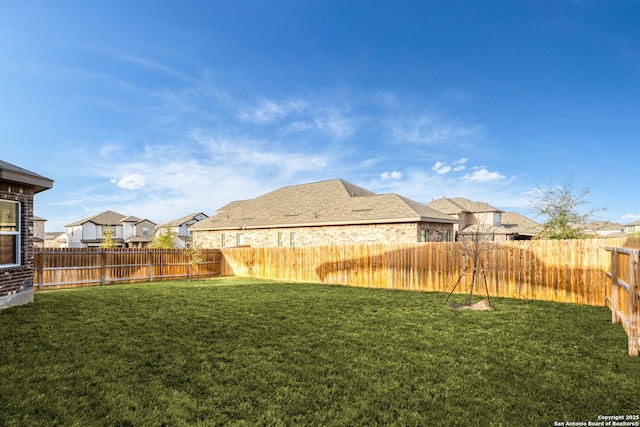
(330,212)
(632,228)
(602,228)
(521,227)
(181,226)
(55,239)
(38,232)
(127,231)
(482,218)
(17,189)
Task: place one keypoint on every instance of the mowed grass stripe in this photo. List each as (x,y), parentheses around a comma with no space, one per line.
(251,352)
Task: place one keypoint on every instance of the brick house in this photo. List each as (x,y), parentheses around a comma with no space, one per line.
(127,231)
(330,212)
(481,217)
(17,189)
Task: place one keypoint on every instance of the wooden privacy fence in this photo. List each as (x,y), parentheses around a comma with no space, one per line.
(622,294)
(551,270)
(68,268)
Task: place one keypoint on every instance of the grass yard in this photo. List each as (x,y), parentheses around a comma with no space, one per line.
(251,352)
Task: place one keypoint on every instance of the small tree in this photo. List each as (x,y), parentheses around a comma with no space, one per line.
(473,245)
(477,243)
(195,256)
(559,204)
(164,239)
(108,234)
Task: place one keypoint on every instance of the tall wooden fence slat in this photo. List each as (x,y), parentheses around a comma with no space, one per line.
(68,268)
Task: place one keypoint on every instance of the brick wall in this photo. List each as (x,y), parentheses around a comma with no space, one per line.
(16,283)
(325,235)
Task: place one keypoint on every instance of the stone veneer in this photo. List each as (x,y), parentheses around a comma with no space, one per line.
(16,283)
(326,235)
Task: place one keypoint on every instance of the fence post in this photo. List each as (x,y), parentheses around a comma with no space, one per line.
(103,266)
(150,265)
(633,303)
(614,286)
(39,261)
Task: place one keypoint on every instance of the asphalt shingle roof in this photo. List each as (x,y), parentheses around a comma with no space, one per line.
(458,205)
(178,222)
(333,202)
(106,218)
(17,174)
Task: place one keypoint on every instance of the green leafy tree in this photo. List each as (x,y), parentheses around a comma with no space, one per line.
(108,234)
(164,239)
(560,205)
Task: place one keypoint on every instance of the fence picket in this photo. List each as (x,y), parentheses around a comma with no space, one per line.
(562,271)
(67,268)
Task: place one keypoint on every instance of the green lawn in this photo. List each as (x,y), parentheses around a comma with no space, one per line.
(250,352)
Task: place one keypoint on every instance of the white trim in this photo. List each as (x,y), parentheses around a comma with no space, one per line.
(17,233)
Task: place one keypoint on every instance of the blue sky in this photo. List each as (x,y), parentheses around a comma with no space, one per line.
(159,109)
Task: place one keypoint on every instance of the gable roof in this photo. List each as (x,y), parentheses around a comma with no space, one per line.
(520,224)
(178,222)
(602,225)
(13,173)
(103,218)
(458,205)
(108,218)
(332,202)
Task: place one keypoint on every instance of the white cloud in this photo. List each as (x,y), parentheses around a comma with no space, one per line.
(131,181)
(391,175)
(630,217)
(441,168)
(429,129)
(483,175)
(332,122)
(321,163)
(269,111)
(460,165)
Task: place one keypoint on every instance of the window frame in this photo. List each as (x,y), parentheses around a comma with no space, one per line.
(497,218)
(17,237)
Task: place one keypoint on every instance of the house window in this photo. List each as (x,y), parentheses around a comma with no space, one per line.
(447,237)
(222,240)
(240,239)
(497,220)
(108,229)
(145,231)
(292,238)
(9,233)
(280,239)
(424,236)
